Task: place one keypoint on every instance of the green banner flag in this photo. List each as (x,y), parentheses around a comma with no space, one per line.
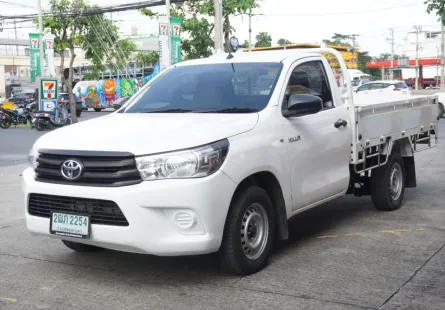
(34,55)
(175,39)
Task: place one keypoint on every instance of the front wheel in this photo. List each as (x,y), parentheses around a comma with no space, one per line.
(78,113)
(5,124)
(97,109)
(388,184)
(80,247)
(249,232)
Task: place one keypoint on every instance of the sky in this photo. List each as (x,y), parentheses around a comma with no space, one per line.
(300,21)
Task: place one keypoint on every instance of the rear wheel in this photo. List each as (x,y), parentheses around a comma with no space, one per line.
(249,232)
(388,184)
(440,110)
(78,113)
(80,247)
(39,126)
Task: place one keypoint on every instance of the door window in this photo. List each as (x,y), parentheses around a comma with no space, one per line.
(376,86)
(310,78)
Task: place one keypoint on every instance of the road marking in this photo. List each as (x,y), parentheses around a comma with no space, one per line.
(397,232)
(326,237)
(9,299)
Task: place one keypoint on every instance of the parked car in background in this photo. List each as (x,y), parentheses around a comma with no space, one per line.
(383,86)
(64,99)
(359,82)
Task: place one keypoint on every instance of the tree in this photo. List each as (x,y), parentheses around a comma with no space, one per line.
(437,6)
(263,39)
(149,58)
(95,34)
(282,42)
(198,40)
(68,33)
(338,39)
(387,56)
(195,15)
(245,44)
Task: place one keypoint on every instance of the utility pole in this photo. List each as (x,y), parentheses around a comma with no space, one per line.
(217,5)
(354,45)
(15,32)
(392,43)
(169,34)
(442,55)
(418,31)
(39,5)
(250,30)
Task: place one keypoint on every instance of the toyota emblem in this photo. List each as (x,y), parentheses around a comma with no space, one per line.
(71,169)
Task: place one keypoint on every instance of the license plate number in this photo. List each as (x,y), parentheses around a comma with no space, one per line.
(70,225)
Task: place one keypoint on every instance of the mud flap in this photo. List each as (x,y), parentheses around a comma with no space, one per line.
(410,170)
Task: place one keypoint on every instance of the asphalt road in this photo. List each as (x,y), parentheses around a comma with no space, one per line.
(15,143)
(342,255)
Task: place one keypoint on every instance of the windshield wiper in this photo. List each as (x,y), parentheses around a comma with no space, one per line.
(170,111)
(232,110)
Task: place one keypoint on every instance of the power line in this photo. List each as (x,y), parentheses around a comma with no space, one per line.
(18,4)
(349,12)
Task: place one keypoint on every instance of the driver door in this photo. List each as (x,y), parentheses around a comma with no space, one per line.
(318,152)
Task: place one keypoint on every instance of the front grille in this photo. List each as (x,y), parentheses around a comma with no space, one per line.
(105,169)
(103,212)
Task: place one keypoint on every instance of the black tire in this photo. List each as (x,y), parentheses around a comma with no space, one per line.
(39,126)
(97,109)
(384,198)
(232,253)
(78,113)
(80,247)
(440,110)
(5,124)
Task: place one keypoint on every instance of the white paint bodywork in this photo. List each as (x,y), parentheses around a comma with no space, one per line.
(311,170)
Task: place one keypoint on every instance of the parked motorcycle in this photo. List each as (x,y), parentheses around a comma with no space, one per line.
(10,117)
(58,118)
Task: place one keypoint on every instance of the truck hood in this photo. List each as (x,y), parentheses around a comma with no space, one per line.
(143,134)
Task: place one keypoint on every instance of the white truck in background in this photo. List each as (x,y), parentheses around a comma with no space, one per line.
(209,159)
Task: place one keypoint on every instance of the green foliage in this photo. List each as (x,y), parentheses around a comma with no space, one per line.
(198,39)
(282,42)
(437,6)
(338,39)
(263,39)
(245,44)
(149,58)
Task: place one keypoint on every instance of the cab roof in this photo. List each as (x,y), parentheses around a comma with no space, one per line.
(265,56)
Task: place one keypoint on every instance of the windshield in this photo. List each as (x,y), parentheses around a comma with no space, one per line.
(222,88)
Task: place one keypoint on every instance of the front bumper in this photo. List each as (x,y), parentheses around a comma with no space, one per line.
(149,208)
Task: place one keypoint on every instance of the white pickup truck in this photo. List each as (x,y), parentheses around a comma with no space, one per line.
(216,154)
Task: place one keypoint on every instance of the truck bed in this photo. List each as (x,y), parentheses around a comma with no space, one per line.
(381,118)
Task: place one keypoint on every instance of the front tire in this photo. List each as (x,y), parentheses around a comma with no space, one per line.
(249,232)
(97,109)
(5,124)
(388,184)
(80,247)
(78,113)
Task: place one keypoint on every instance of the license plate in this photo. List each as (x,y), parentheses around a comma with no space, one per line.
(70,225)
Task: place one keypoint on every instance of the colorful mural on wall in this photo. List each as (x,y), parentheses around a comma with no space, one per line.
(102,93)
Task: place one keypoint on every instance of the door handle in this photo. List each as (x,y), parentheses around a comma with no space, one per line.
(340,122)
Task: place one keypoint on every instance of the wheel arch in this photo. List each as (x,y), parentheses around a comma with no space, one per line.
(269,182)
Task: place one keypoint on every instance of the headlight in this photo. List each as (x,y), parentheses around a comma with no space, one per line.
(194,163)
(32,157)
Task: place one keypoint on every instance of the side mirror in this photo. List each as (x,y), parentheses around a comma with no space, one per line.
(302,104)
